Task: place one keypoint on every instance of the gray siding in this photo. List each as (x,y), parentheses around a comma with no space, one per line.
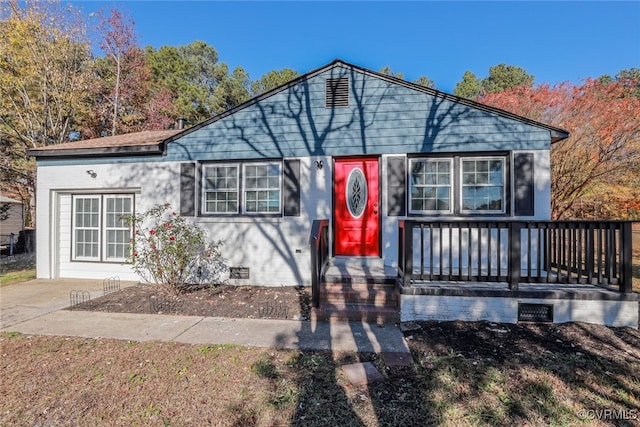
(382,118)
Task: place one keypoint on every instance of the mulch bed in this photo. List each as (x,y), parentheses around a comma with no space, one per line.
(254,302)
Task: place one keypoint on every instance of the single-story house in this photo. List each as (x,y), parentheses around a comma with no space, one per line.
(364,151)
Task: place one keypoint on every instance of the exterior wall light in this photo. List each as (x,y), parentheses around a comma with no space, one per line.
(92,173)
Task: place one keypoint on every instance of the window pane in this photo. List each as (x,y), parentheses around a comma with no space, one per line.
(251,182)
(430,185)
(110,220)
(469,198)
(443,199)
(95,220)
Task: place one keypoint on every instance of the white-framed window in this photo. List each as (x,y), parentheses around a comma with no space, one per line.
(457,185)
(99,229)
(262,184)
(86,228)
(483,185)
(430,185)
(220,187)
(117,231)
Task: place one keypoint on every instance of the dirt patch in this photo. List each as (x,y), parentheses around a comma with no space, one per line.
(254,302)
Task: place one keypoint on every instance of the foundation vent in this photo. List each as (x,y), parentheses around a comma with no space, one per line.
(535,313)
(239,272)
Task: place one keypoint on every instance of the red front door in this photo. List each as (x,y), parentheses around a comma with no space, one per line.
(357,208)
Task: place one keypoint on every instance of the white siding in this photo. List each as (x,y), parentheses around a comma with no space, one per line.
(275,249)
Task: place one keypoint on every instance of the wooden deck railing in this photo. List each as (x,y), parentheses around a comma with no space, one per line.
(319,249)
(564,252)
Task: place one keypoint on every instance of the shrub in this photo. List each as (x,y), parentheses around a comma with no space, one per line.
(172,252)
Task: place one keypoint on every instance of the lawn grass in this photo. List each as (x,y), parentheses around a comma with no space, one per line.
(17,268)
(12,277)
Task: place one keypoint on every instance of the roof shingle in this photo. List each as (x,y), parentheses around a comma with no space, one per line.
(136,139)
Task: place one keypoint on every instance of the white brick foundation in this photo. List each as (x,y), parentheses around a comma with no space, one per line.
(505,310)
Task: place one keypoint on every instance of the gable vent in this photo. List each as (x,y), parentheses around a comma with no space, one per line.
(336,92)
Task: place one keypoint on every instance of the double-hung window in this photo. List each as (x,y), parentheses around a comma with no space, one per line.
(86,228)
(117,230)
(262,187)
(483,185)
(242,188)
(100,230)
(457,185)
(221,188)
(430,185)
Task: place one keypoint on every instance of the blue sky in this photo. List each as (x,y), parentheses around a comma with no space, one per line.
(554,41)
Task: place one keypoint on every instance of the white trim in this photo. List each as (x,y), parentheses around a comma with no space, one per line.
(101,228)
(462,185)
(74,227)
(205,191)
(54,232)
(106,228)
(245,190)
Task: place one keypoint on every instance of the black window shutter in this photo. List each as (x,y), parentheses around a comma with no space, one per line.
(396,186)
(291,188)
(188,189)
(524,191)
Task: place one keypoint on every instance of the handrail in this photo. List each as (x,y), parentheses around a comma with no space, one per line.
(319,249)
(513,251)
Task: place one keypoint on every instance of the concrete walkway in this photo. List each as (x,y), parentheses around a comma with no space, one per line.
(37,307)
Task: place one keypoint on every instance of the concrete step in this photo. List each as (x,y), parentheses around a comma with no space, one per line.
(381,297)
(359,270)
(351,279)
(358,262)
(355,312)
(358,286)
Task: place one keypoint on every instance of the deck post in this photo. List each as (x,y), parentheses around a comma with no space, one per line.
(407,268)
(514,254)
(626,283)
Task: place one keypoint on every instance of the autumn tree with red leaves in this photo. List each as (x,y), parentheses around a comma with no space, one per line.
(595,173)
(124,98)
